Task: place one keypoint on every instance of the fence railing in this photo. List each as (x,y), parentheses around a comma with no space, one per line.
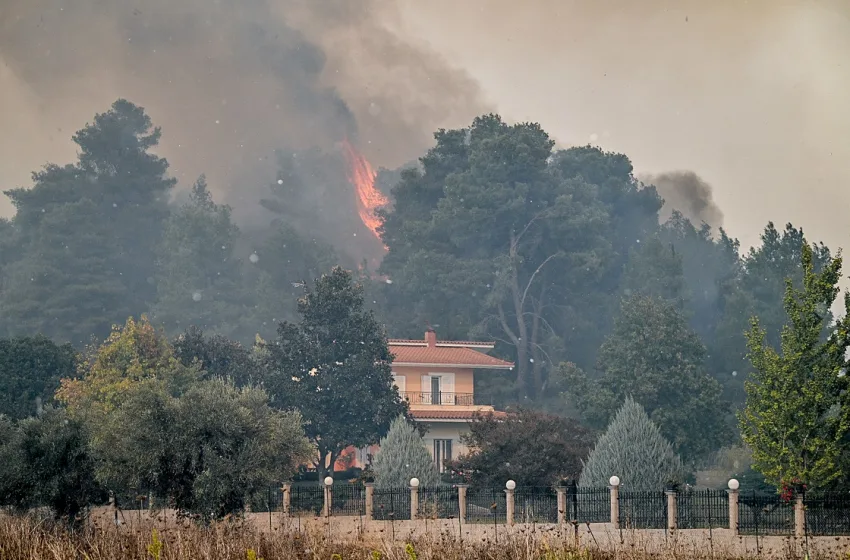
(441,398)
(828,514)
(307,500)
(536,505)
(589,505)
(391,504)
(643,510)
(348,499)
(439,502)
(765,514)
(745,513)
(702,509)
(485,505)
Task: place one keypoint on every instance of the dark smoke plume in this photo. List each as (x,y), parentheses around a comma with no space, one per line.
(686,192)
(229,81)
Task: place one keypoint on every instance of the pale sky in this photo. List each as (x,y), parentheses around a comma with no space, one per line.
(749,95)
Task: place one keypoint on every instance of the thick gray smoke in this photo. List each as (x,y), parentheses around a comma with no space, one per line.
(229,81)
(686,192)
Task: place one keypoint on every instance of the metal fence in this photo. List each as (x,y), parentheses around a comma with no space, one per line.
(536,505)
(307,500)
(827,514)
(702,509)
(643,510)
(762,514)
(391,504)
(485,505)
(439,502)
(589,505)
(348,499)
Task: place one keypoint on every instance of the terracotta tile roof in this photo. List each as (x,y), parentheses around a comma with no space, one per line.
(453,356)
(451,414)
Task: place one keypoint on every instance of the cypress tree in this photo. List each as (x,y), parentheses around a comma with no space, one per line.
(403,456)
(633,449)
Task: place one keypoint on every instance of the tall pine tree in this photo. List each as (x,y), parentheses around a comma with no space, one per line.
(87,232)
(198,275)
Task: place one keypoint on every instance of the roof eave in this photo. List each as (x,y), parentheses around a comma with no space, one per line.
(467,366)
(416,343)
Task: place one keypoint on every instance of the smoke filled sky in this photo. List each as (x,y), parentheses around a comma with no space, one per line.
(747,95)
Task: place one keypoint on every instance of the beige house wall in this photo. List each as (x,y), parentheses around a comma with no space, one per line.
(413,378)
(446,430)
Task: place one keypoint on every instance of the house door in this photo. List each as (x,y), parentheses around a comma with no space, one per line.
(435,390)
(438,388)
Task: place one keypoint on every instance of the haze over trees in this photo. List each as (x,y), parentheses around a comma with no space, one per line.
(556,254)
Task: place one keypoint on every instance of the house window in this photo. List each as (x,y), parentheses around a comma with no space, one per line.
(442,452)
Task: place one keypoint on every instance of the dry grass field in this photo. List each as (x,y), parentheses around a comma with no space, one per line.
(28,538)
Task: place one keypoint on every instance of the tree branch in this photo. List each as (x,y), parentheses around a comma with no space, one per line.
(531,280)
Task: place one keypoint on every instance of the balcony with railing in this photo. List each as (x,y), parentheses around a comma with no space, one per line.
(442,398)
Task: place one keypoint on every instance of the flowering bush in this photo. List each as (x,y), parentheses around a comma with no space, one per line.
(790,488)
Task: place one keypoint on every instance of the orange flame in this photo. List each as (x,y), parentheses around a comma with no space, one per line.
(362,177)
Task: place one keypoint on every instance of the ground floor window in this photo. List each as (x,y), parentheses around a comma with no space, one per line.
(442,452)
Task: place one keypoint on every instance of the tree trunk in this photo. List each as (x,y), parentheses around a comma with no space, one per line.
(321,469)
(536,354)
(522,344)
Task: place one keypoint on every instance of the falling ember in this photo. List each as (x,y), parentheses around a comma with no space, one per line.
(362,177)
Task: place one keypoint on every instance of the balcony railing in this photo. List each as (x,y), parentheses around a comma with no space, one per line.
(441,398)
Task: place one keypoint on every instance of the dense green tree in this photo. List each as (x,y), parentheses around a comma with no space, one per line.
(30,370)
(758,292)
(205,450)
(496,235)
(797,417)
(198,278)
(654,356)
(334,366)
(134,355)
(403,456)
(711,270)
(217,356)
(530,447)
(46,461)
(655,269)
(282,263)
(87,232)
(67,287)
(633,449)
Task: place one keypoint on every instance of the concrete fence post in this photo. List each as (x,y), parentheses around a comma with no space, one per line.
(733,505)
(562,504)
(510,489)
(799,517)
(414,500)
(287,498)
(614,486)
(328,507)
(672,510)
(370,501)
(461,501)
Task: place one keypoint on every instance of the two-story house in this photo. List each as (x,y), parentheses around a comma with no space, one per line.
(436,377)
